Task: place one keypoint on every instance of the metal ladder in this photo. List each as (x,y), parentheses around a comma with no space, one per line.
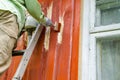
(27,54)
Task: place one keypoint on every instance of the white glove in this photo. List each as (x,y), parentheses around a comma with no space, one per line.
(48,22)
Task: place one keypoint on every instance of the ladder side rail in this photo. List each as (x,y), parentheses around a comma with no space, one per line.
(25,59)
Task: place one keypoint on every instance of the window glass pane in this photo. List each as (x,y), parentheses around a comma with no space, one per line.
(99,2)
(107,12)
(108,60)
(110,16)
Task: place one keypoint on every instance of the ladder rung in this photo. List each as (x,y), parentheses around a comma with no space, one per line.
(18,52)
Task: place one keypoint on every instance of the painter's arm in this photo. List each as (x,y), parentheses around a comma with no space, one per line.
(34,8)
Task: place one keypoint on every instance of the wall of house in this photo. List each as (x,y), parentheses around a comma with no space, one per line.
(60,61)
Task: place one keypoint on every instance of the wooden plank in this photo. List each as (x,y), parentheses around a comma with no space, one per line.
(76,48)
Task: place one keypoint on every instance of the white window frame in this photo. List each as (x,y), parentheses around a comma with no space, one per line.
(93,29)
(90,34)
(92,64)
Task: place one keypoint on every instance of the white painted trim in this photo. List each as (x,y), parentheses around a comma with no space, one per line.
(106,34)
(85,39)
(105,28)
(98,17)
(92,58)
(92,12)
(98,60)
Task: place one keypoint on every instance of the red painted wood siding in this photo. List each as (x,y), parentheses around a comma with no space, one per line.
(61,61)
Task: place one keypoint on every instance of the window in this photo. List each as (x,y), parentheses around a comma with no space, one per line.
(108,59)
(101,40)
(104,15)
(107,12)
